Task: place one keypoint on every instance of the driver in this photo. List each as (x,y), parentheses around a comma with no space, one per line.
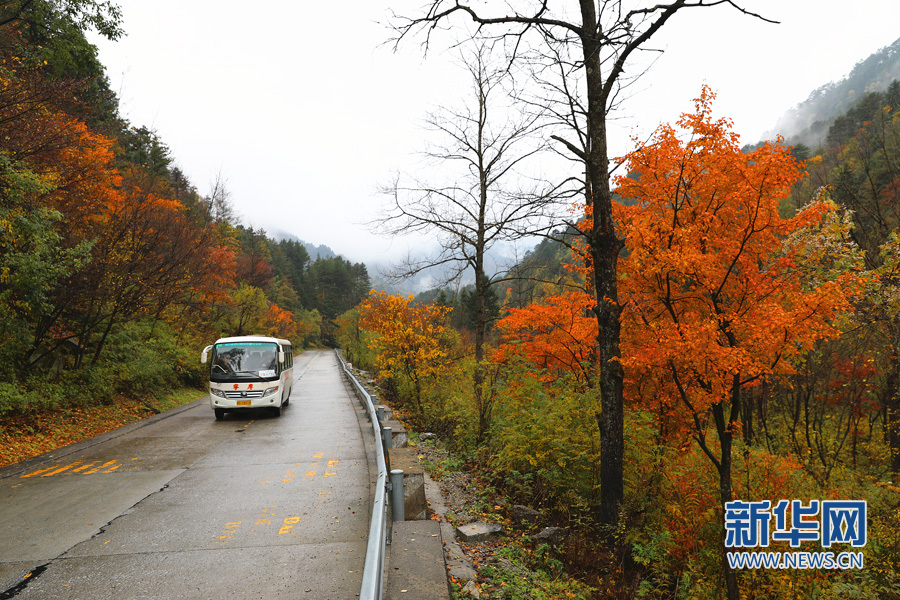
(224,363)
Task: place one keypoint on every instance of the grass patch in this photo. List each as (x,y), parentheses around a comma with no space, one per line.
(518,572)
(26,435)
(441,464)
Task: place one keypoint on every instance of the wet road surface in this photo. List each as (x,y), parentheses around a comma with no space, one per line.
(184,506)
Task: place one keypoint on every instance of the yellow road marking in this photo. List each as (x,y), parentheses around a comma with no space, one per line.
(310,475)
(51,470)
(288,525)
(77,467)
(60,470)
(105,465)
(37,472)
(230,528)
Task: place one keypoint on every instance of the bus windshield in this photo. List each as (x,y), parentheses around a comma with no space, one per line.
(243,360)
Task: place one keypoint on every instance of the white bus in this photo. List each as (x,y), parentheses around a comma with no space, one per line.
(249,372)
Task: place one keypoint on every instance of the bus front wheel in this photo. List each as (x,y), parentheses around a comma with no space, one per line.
(220,413)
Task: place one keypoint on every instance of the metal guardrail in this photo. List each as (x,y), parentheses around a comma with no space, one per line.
(373,571)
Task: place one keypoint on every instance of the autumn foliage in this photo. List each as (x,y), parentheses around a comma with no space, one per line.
(114,270)
(737,316)
(712,297)
(760,326)
(407,339)
(556,336)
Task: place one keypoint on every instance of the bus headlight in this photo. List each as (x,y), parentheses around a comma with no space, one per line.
(216,392)
(271,391)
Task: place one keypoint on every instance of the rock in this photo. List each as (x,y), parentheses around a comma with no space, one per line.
(553,536)
(458,564)
(427,436)
(478,532)
(472,590)
(524,515)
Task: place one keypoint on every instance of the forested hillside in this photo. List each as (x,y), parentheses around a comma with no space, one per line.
(114,270)
(760,343)
(753,297)
(809,122)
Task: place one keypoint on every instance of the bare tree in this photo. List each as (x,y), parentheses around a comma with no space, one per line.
(219,207)
(605,37)
(469,205)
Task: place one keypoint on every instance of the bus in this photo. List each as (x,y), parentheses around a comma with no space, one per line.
(248,372)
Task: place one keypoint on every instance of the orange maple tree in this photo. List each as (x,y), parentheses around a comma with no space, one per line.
(556,336)
(407,337)
(713,300)
(144,251)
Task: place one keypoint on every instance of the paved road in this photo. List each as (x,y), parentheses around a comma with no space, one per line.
(189,507)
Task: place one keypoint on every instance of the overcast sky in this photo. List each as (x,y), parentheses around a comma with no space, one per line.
(305,112)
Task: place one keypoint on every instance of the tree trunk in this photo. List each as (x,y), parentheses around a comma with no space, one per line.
(478,373)
(892,406)
(480,281)
(604,251)
(747,420)
(725,430)
(102,341)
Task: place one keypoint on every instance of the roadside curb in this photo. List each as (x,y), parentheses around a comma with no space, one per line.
(424,553)
(416,565)
(457,563)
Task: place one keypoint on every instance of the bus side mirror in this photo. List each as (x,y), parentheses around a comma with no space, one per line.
(204,356)
(281,356)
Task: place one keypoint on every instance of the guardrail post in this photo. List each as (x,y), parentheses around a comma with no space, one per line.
(379,410)
(388,436)
(397,496)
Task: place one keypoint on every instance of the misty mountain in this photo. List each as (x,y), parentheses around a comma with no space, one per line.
(426,280)
(315,252)
(808,122)
(378,269)
(498,260)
